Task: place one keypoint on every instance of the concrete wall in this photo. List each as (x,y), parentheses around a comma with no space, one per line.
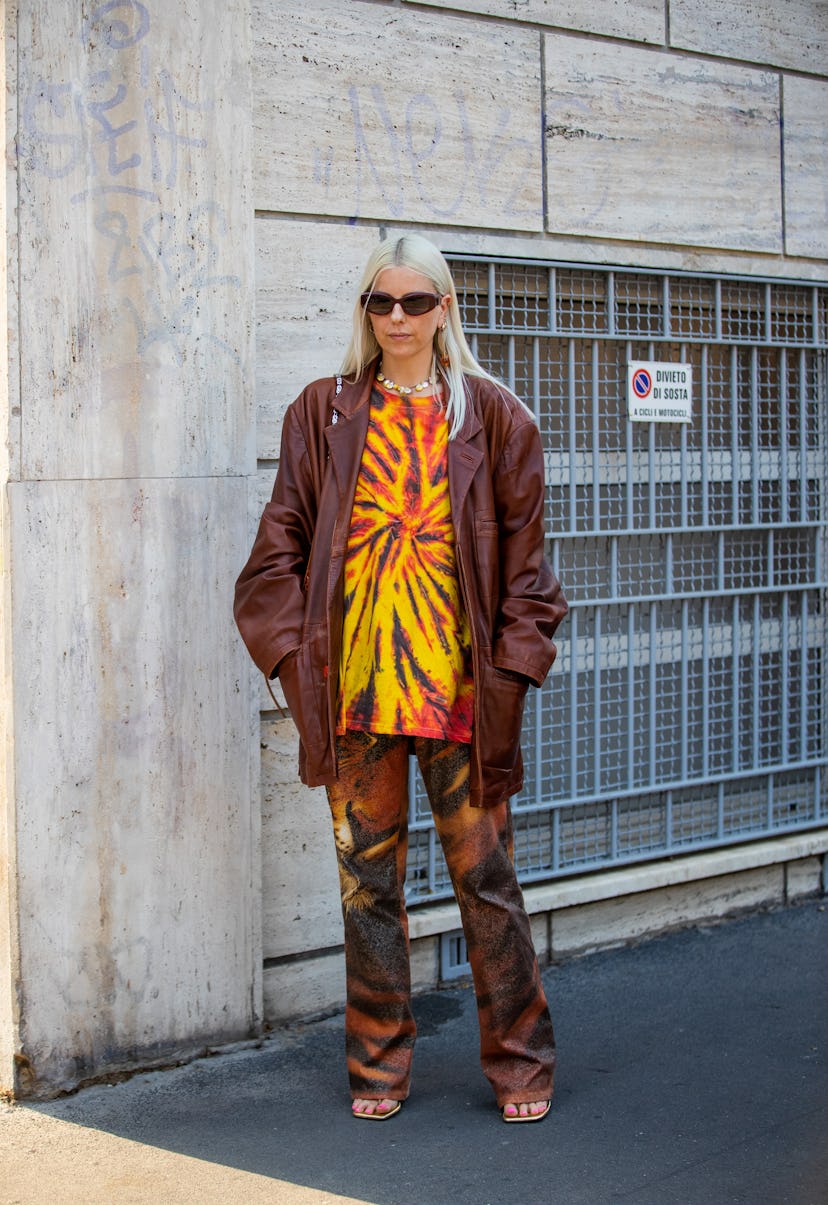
(129,926)
(8,910)
(689,134)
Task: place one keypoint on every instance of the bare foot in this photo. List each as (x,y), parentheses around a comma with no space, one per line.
(364,1107)
(532,1111)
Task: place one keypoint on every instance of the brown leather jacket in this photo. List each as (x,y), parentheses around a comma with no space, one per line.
(290,594)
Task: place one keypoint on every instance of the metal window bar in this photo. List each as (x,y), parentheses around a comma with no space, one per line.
(689,706)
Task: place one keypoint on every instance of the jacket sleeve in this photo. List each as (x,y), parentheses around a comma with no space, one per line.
(269,600)
(531,603)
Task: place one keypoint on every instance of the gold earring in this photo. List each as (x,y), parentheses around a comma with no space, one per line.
(442,355)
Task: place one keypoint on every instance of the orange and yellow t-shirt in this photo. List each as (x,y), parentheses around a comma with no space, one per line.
(406,650)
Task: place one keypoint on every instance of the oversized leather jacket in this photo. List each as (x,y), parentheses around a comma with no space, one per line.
(290,594)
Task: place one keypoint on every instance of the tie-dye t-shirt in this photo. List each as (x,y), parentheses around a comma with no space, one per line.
(406,650)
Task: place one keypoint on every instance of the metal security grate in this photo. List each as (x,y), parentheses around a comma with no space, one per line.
(688,708)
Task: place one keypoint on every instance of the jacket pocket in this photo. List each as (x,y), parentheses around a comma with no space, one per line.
(500,716)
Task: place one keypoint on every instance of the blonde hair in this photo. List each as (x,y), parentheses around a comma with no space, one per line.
(453,355)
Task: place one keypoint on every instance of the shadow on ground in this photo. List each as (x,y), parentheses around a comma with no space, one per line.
(692,1070)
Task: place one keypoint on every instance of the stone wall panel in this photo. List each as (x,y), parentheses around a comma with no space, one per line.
(784,33)
(806,166)
(307,274)
(634,917)
(639,20)
(137,865)
(135,219)
(647,146)
(314,988)
(300,881)
(338,132)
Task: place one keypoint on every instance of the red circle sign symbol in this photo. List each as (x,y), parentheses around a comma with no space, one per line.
(642,383)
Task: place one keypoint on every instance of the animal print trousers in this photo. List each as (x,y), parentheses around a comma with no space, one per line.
(369,806)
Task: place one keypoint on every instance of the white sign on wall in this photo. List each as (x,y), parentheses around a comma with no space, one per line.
(659,392)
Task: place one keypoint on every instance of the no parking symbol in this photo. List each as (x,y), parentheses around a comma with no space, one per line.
(642,383)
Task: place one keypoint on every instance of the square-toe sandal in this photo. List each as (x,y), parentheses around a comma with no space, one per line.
(522,1118)
(379,1116)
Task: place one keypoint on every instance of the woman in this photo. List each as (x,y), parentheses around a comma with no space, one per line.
(398,589)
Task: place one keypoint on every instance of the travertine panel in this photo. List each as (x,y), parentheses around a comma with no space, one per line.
(602,251)
(786,33)
(425,963)
(803,878)
(137,834)
(311,988)
(805,151)
(307,274)
(300,882)
(540,936)
(640,20)
(628,918)
(135,239)
(8,893)
(368,111)
(644,145)
(8,889)
(315,986)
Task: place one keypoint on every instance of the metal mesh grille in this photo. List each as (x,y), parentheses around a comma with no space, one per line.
(688,706)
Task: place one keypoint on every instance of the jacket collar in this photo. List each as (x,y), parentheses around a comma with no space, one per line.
(355,394)
(472,424)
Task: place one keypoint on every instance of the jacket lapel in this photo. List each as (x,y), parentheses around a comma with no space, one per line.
(346,439)
(464,459)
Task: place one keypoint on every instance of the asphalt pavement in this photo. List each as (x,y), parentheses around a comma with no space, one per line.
(693,1071)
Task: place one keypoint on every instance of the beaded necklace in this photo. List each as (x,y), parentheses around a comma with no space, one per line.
(404,390)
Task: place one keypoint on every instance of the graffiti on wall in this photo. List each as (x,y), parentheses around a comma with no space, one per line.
(123,138)
(419,155)
(408,158)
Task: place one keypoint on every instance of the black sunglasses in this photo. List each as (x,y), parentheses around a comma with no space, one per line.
(414,304)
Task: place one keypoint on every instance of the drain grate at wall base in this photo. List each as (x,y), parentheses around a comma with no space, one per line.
(454,958)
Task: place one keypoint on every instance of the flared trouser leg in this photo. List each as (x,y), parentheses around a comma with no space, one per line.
(517,1041)
(369,807)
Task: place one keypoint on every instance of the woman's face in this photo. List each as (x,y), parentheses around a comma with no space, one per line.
(406,340)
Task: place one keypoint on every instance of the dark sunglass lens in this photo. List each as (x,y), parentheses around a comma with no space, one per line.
(419,303)
(377,303)
(413,303)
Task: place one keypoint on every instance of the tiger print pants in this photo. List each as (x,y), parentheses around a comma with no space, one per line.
(369,806)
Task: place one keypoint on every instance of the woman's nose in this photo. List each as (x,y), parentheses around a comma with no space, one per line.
(398,312)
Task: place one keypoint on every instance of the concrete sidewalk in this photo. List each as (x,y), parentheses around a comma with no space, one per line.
(693,1071)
